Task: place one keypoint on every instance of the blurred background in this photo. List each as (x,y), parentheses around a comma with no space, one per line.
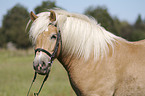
(124,18)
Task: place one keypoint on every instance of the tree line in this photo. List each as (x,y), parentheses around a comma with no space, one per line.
(16,19)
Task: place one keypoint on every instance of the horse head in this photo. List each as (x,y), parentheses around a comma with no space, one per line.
(47,45)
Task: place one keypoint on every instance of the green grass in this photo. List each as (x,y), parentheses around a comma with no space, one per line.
(16,74)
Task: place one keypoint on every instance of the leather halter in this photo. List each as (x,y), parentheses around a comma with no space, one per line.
(52,57)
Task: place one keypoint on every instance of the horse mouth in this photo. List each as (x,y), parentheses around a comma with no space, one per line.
(42,70)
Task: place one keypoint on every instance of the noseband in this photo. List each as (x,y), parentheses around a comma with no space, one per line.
(52,57)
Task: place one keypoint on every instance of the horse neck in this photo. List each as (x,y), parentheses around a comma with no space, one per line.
(73,63)
(75,66)
(79,72)
(68,62)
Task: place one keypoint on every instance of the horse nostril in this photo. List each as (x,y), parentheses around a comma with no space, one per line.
(43,63)
(35,67)
(40,66)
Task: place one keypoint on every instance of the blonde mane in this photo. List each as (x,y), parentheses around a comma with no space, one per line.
(81,35)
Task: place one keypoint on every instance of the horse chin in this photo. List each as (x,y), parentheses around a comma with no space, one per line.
(43,72)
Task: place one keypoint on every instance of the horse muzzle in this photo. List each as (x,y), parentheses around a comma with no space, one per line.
(41,68)
(41,65)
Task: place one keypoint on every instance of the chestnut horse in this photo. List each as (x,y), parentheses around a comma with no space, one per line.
(98,63)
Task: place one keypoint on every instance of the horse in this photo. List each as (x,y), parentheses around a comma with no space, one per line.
(98,62)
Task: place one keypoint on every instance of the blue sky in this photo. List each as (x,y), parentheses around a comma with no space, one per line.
(123,9)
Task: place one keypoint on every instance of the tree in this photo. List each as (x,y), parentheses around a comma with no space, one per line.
(49,4)
(126,30)
(138,29)
(102,16)
(139,22)
(14,24)
(117,26)
(2,38)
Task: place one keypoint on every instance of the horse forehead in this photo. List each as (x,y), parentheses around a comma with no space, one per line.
(48,31)
(52,29)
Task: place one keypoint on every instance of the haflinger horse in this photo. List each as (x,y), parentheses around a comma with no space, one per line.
(98,63)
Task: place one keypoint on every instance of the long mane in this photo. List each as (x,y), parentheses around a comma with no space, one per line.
(81,35)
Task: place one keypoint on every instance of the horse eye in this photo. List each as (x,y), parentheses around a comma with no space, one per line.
(53,37)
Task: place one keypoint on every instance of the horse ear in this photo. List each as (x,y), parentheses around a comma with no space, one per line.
(52,16)
(33,16)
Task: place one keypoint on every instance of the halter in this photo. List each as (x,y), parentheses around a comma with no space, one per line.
(52,57)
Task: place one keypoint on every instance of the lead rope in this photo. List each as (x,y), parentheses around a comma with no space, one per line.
(35,75)
(32,83)
(36,94)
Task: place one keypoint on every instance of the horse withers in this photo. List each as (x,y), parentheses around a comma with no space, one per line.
(98,63)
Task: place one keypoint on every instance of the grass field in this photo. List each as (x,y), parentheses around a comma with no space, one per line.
(16,74)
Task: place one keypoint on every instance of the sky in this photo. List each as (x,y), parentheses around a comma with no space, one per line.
(123,9)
